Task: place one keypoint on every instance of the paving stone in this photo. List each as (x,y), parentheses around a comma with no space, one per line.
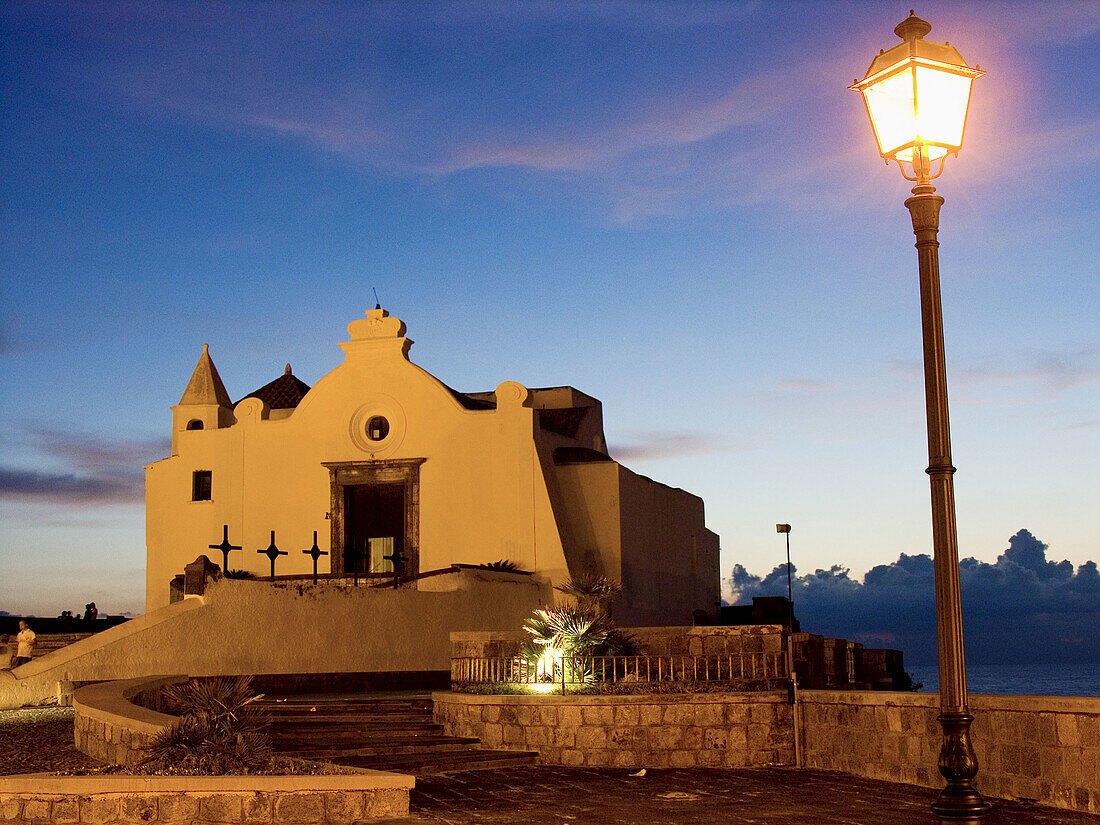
(776,796)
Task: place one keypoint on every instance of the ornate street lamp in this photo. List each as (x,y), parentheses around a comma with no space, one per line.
(917,95)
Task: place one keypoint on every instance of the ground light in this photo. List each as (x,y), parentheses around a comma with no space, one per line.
(917,95)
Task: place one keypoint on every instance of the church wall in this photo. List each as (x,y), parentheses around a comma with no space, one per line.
(670,559)
(648,536)
(590,493)
(482,496)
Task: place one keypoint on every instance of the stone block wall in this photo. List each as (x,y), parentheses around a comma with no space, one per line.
(108,726)
(650,731)
(135,800)
(1040,748)
(113,744)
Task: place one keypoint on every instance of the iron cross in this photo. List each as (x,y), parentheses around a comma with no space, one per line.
(273,553)
(397,560)
(225,547)
(316,552)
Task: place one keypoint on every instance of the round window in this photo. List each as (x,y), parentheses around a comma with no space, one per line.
(377,428)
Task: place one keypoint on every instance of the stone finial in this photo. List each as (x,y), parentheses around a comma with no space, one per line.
(377,324)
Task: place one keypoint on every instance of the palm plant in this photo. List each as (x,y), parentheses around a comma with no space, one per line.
(593,593)
(220,730)
(563,637)
(502,566)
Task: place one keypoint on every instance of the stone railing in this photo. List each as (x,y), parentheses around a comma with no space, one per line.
(1041,748)
(644,731)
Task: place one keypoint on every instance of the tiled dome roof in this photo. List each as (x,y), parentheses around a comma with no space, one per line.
(284,393)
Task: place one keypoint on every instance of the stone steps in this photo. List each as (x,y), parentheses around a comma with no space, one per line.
(386,732)
(393,745)
(421,764)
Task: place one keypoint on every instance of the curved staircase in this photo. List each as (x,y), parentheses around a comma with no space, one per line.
(383,731)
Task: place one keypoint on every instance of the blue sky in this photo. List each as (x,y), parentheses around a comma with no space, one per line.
(675,207)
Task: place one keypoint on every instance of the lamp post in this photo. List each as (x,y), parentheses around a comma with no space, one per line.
(786,529)
(917,95)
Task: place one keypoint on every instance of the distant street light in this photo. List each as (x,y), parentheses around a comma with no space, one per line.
(786,529)
(917,95)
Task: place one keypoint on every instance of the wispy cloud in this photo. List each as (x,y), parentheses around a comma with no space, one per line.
(804,384)
(36,485)
(668,123)
(654,446)
(1083,425)
(91,453)
(1055,371)
(93,469)
(771,135)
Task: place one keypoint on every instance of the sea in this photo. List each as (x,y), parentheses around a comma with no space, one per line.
(1019,680)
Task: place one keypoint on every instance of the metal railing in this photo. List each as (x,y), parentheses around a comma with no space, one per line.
(577,670)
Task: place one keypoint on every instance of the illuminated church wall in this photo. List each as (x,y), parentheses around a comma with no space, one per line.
(378,452)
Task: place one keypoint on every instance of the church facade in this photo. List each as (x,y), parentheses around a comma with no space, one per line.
(386,462)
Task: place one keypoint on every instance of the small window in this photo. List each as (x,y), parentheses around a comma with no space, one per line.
(201,482)
(194,424)
(378,428)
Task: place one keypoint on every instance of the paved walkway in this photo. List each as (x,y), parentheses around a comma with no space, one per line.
(778,796)
(40,739)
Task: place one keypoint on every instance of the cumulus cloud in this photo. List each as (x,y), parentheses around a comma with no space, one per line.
(1022,608)
(93,469)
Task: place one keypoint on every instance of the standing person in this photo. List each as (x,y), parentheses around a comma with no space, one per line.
(26,641)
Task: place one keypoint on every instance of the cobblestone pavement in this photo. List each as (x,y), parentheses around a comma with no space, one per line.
(40,739)
(777,796)
(33,740)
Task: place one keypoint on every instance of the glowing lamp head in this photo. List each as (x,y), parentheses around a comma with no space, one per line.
(917,95)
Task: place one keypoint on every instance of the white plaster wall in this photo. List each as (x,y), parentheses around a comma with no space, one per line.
(482,493)
(255,627)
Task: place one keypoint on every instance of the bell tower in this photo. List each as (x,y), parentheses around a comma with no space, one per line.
(205,405)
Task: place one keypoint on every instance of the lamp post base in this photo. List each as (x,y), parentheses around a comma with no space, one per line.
(959,801)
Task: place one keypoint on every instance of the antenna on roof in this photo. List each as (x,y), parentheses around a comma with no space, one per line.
(377,303)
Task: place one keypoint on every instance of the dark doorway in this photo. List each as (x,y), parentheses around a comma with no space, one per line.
(375,527)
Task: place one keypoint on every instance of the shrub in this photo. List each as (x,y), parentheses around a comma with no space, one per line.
(239,574)
(220,730)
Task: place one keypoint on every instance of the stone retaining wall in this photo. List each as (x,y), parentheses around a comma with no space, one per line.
(139,800)
(649,731)
(109,727)
(1042,748)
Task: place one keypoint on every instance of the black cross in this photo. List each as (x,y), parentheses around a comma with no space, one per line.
(225,547)
(273,553)
(316,552)
(396,559)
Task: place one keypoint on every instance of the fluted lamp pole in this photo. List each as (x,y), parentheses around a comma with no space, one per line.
(917,95)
